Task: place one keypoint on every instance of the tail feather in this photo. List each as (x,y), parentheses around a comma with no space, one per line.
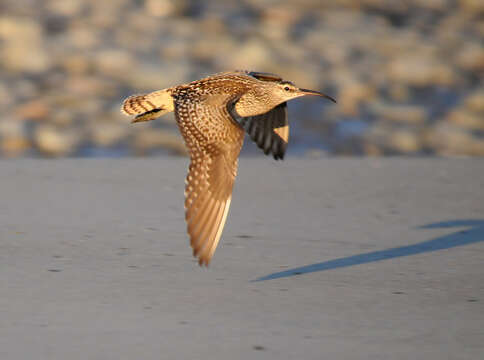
(137,104)
(148,106)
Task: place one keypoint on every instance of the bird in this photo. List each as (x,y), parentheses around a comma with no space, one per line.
(213,114)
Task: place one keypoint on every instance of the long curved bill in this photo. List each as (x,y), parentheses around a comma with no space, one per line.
(317,93)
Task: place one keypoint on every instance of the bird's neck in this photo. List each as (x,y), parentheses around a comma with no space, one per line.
(255,102)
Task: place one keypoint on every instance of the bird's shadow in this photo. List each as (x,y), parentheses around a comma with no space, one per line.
(474,234)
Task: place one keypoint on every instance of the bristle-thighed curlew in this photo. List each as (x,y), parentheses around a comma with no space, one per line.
(213,114)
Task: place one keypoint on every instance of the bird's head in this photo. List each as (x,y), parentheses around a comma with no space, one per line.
(286,90)
(268,92)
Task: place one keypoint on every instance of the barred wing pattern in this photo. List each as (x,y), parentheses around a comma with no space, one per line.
(148,106)
(270,131)
(211,174)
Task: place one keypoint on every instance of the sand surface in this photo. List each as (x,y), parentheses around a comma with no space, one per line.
(320,259)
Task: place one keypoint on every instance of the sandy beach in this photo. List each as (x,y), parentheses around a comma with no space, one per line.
(320,259)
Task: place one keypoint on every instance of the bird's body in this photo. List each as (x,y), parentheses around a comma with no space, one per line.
(213,114)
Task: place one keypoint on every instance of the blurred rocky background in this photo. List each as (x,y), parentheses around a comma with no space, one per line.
(408,74)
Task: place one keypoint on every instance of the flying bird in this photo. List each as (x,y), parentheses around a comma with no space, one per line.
(213,115)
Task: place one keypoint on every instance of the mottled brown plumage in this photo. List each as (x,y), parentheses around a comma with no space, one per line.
(212,114)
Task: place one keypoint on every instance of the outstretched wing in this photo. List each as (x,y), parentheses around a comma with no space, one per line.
(270,131)
(212,170)
(208,194)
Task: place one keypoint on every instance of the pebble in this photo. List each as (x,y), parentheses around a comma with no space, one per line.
(466,120)
(6,98)
(418,71)
(14,146)
(405,114)
(475,102)
(471,58)
(107,134)
(147,140)
(448,140)
(12,127)
(352,95)
(32,110)
(403,141)
(472,6)
(412,72)
(253,54)
(53,142)
(22,49)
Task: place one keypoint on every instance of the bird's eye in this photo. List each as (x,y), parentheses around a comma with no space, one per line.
(286,88)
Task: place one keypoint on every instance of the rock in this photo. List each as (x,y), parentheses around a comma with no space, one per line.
(164,8)
(472,6)
(6,97)
(477,147)
(113,62)
(479,27)
(148,77)
(336,54)
(83,37)
(447,140)
(146,140)
(63,117)
(107,133)
(24,88)
(383,139)
(75,64)
(352,95)
(377,134)
(404,141)
(471,57)
(399,92)
(475,102)
(24,57)
(65,7)
(12,127)
(104,14)
(278,20)
(370,149)
(52,141)
(14,146)
(71,64)
(82,87)
(203,50)
(419,71)
(14,29)
(315,153)
(466,120)
(435,5)
(406,114)
(22,49)
(32,110)
(252,54)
